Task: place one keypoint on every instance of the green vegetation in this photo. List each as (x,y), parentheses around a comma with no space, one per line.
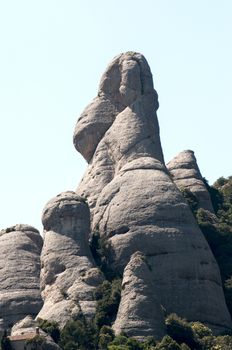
(100,251)
(78,334)
(5,342)
(37,341)
(108,297)
(181,335)
(51,328)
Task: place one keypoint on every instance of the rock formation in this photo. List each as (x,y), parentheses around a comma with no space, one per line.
(186,174)
(146,228)
(134,203)
(138,303)
(127,82)
(68,276)
(20,248)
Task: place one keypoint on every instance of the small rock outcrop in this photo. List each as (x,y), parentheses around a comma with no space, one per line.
(20,248)
(186,175)
(68,276)
(140,313)
(134,203)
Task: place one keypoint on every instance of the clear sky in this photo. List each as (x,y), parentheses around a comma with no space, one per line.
(53,53)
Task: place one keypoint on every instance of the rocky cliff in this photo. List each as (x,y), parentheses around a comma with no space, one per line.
(20,248)
(131,201)
(134,203)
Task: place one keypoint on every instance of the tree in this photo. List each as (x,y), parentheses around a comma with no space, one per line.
(5,342)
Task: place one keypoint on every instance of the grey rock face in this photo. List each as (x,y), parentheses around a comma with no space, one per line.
(28,326)
(186,174)
(127,80)
(68,276)
(20,248)
(136,206)
(140,313)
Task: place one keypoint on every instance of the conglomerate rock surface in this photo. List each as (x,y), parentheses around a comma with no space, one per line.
(186,175)
(139,304)
(20,248)
(134,203)
(68,276)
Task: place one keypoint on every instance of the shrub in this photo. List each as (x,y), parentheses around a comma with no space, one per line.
(5,342)
(180,330)
(191,199)
(108,297)
(167,343)
(78,335)
(106,335)
(51,328)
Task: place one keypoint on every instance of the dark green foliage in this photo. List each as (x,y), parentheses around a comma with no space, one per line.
(78,335)
(106,335)
(216,343)
(180,330)
(51,328)
(121,342)
(37,340)
(200,330)
(5,342)
(167,343)
(100,251)
(108,297)
(191,199)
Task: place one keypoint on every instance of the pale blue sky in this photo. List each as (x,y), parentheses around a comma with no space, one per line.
(53,53)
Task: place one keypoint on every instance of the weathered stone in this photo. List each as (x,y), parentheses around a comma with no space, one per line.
(28,328)
(186,175)
(68,276)
(136,206)
(20,248)
(140,313)
(126,80)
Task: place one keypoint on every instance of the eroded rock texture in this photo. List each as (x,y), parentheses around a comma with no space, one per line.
(68,276)
(138,303)
(126,89)
(20,248)
(134,203)
(186,174)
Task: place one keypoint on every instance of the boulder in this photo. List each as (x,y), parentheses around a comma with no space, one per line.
(186,175)
(69,276)
(20,248)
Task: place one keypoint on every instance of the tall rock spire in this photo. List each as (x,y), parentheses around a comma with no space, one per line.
(126,104)
(134,203)
(69,276)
